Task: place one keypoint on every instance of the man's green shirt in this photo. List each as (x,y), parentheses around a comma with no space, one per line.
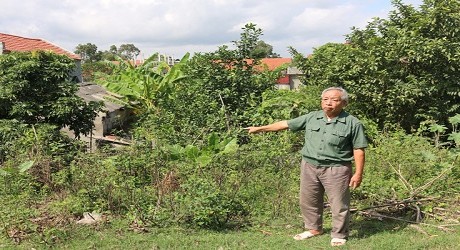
(329,143)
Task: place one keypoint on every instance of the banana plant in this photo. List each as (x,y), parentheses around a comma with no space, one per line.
(144,87)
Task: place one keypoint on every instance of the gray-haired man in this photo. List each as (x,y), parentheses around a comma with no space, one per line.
(333,139)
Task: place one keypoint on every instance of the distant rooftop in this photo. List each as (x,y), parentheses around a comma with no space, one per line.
(273,63)
(22,44)
(93,92)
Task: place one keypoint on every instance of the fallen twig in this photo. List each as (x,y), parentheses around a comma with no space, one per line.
(445,229)
(403,202)
(380,216)
(414,192)
(266,232)
(406,184)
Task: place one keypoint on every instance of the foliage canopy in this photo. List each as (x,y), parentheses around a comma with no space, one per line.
(35,88)
(401,70)
(223,86)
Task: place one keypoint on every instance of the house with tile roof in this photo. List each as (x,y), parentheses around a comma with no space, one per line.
(291,76)
(10,43)
(110,118)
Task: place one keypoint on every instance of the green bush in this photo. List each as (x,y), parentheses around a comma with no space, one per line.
(42,147)
(401,166)
(204,204)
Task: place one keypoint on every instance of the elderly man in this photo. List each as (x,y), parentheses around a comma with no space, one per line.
(333,139)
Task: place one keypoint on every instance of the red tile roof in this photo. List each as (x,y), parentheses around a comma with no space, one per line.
(273,63)
(17,43)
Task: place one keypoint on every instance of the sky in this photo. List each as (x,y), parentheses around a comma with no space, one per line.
(174,27)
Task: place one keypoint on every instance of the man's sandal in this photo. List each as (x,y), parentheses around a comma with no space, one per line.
(335,242)
(305,235)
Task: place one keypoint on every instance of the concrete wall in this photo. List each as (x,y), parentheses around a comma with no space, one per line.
(283,86)
(113,120)
(294,77)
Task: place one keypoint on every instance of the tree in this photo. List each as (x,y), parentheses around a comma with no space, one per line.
(92,57)
(88,52)
(35,88)
(111,54)
(401,70)
(128,51)
(263,50)
(248,41)
(108,56)
(231,77)
(113,49)
(91,69)
(221,94)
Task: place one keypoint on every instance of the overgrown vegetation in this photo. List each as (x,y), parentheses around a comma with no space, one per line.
(35,88)
(192,166)
(402,70)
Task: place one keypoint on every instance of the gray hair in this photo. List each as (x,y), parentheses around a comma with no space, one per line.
(344,96)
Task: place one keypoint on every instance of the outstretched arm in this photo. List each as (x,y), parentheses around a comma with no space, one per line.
(281,125)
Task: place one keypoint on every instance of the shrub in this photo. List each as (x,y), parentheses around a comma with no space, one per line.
(400,166)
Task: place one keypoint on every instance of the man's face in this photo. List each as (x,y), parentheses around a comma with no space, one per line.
(331,103)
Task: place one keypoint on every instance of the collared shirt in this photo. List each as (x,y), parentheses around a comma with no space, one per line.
(329,143)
